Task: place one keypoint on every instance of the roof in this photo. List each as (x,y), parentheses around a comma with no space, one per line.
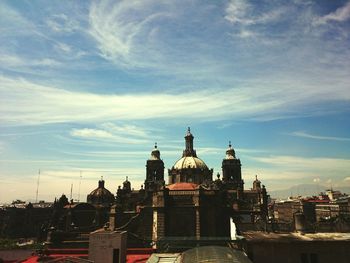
(139,255)
(289,237)
(213,254)
(101,192)
(165,258)
(190,162)
(182,186)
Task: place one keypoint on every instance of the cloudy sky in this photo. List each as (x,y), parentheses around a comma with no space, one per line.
(87,87)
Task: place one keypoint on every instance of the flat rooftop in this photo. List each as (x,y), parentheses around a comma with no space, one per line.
(294,236)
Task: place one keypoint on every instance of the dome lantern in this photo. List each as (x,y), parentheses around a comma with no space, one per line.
(155,154)
(230,152)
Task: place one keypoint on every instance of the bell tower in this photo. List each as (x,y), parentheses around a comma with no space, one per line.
(154,171)
(231,170)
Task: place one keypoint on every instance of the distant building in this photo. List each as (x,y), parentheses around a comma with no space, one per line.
(294,247)
(323,213)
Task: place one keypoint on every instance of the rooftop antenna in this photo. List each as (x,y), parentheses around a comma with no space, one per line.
(37,187)
(79,187)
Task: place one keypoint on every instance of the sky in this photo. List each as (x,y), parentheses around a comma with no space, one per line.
(88,87)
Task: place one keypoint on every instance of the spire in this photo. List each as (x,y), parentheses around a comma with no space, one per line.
(189,151)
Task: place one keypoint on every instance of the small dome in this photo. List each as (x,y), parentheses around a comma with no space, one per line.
(190,162)
(182,186)
(100,192)
(100,195)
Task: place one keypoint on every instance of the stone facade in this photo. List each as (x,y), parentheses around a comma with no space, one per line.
(192,205)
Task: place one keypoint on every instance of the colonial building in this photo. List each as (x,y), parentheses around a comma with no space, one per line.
(192,204)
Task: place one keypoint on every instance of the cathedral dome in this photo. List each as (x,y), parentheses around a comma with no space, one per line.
(189,168)
(190,162)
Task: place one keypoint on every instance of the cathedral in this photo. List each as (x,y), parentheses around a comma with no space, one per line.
(192,206)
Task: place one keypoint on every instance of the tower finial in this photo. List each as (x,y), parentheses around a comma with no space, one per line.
(101,177)
(155,145)
(229,144)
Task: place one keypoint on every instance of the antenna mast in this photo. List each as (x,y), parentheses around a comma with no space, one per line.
(37,188)
(79,187)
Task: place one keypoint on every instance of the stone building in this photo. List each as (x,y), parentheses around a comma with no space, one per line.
(192,205)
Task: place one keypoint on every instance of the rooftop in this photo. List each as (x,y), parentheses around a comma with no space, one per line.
(288,237)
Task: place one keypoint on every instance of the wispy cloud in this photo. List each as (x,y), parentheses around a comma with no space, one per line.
(318,137)
(13,61)
(126,130)
(342,14)
(91,133)
(61,23)
(339,167)
(279,172)
(117,27)
(112,132)
(24,102)
(26,187)
(243,13)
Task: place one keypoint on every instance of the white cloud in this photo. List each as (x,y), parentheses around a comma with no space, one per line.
(242,13)
(111,132)
(14,61)
(126,130)
(63,47)
(236,12)
(318,137)
(330,166)
(88,133)
(117,27)
(340,15)
(25,103)
(61,23)
(26,185)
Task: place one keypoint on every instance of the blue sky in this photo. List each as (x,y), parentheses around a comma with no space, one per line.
(90,86)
